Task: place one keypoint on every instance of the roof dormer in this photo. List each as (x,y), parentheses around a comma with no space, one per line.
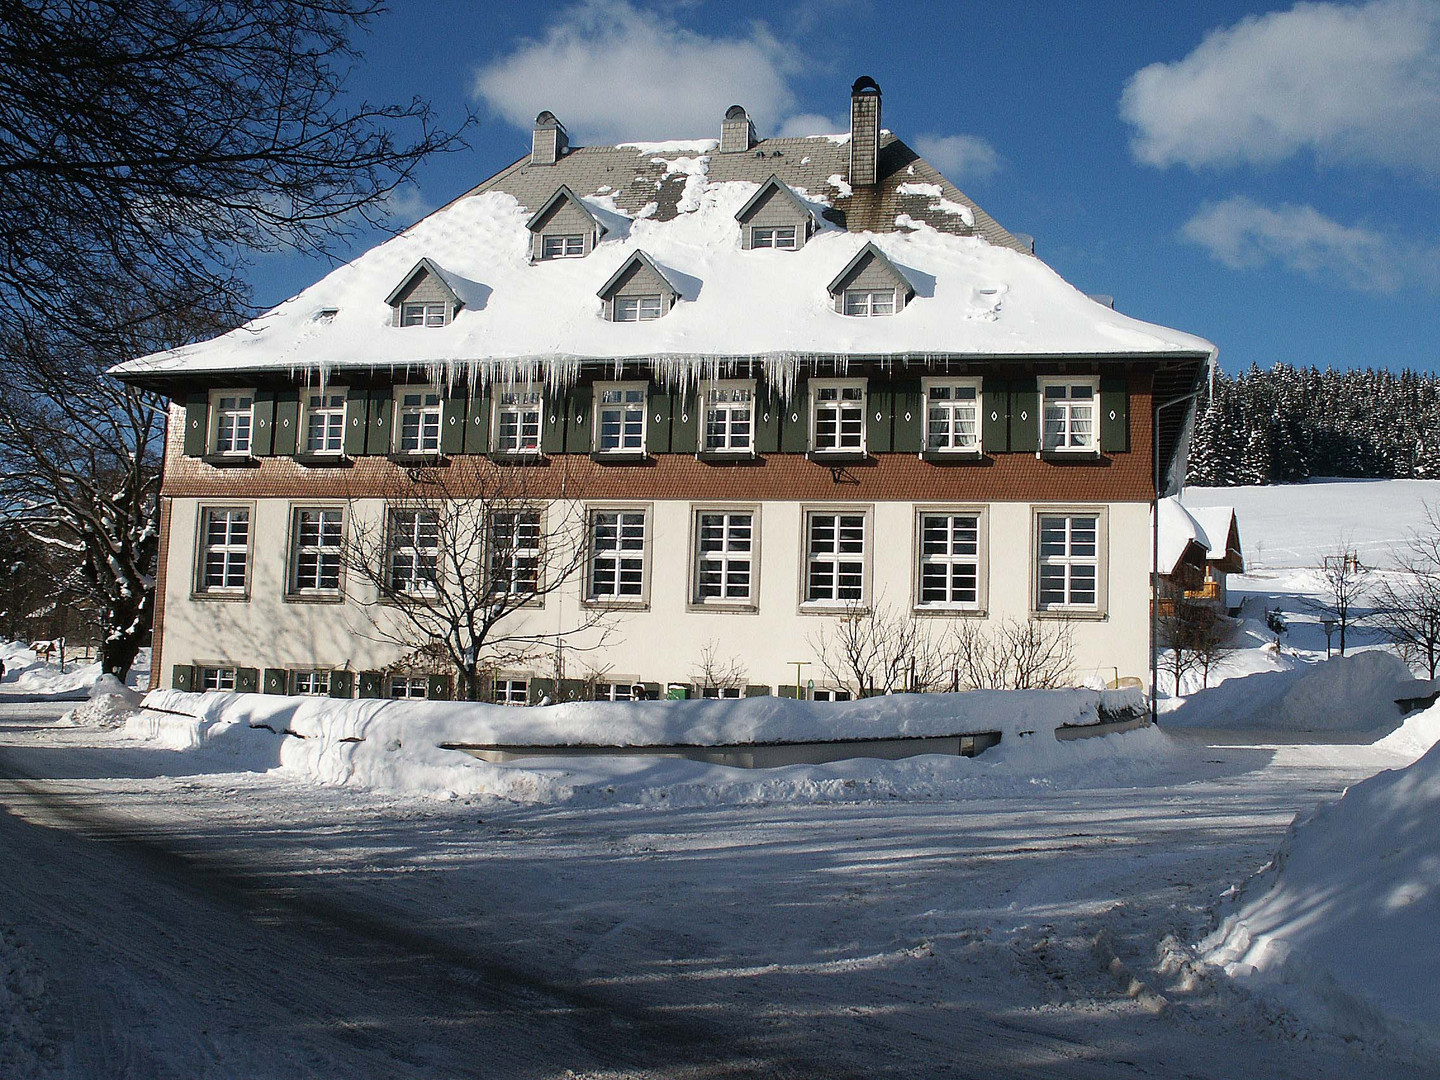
(423,298)
(774,217)
(563,228)
(638,292)
(870,285)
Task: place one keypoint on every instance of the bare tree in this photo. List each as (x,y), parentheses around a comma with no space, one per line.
(711,671)
(879,650)
(1409,598)
(462,555)
(1011,654)
(1347,584)
(1179,620)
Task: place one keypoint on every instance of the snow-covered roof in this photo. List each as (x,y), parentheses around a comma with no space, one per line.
(978,292)
(1207,527)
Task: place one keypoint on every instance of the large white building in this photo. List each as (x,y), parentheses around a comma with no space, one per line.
(679,410)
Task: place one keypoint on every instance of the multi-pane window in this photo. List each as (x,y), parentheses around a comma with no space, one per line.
(617,691)
(776,236)
(315,564)
(715,693)
(419,426)
(834,558)
(225,548)
(617,555)
(517,420)
(950,560)
(234,417)
(729,418)
(838,417)
(311,683)
(637,308)
(1069,415)
(409,686)
(724,557)
(217,678)
(952,416)
(325,422)
(562,247)
(414,551)
(1069,556)
(426,314)
(515,552)
(829,693)
(620,419)
(866,302)
(511,692)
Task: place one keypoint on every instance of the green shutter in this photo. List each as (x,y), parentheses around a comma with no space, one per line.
(247,680)
(438,688)
(356,418)
(540,689)
(379,420)
(197,424)
(795,421)
(1114,414)
(552,425)
(767,421)
(995,415)
(657,430)
(275,680)
(262,440)
(477,422)
(452,422)
(1024,416)
(183,677)
(571,690)
(879,408)
(786,691)
(342,684)
(287,422)
(756,690)
(909,435)
(372,684)
(577,420)
(685,422)
(652,691)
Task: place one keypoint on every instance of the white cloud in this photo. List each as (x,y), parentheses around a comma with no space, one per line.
(1243,234)
(1357,83)
(959,157)
(612,71)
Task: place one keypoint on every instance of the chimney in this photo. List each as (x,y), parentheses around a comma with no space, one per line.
(864,132)
(737,133)
(550,141)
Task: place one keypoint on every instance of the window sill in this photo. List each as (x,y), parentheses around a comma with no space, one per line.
(231,461)
(837,457)
(324,461)
(818,607)
(1070,614)
(620,457)
(727,457)
(315,598)
(715,607)
(517,457)
(940,611)
(605,604)
(224,597)
(953,457)
(430,459)
(1060,457)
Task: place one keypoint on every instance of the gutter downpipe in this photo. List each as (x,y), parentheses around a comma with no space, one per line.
(1155,554)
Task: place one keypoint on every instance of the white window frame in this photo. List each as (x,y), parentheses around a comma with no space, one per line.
(427,442)
(952,408)
(333,421)
(950,558)
(221,675)
(822,387)
(1068,559)
(310,682)
(1066,409)
(775,236)
(424,313)
(870,303)
(229,549)
(507,564)
(507,405)
(613,689)
(723,693)
(729,444)
(725,557)
(831,693)
(639,307)
(322,550)
(417,583)
(510,690)
(236,413)
(639,563)
(409,687)
(627,411)
(836,559)
(570,245)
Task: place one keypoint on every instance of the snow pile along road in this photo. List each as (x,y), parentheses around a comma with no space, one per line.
(1342,926)
(397,746)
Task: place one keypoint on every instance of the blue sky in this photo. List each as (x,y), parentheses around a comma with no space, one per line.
(1265,176)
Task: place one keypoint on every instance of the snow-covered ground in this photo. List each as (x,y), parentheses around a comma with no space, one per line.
(25,673)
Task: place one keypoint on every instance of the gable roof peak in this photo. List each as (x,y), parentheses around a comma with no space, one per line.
(643,259)
(873,252)
(424,266)
(564,192)
(774,183)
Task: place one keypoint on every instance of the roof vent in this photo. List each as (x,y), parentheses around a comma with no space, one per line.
(864,132)
(737,133)
(550,140)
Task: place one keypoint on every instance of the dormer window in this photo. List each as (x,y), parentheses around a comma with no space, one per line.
(563,228)
(637,308)
(773,237)
(563,247)
(425,297)
(869,302)
(437,314)
(870,285)
(640,291)
(774,217)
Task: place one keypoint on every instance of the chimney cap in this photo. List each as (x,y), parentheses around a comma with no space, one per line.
(864,85)
(736,112)
(548,119)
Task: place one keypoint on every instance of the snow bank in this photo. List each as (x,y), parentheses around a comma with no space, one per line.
(1342,926)
(25,673)
(111,704)
(396,746)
